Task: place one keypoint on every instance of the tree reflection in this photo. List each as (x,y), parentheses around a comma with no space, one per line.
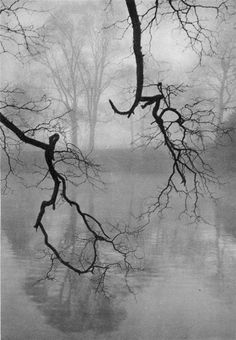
(225,243)
(15,224)
(74,305)
(226,217)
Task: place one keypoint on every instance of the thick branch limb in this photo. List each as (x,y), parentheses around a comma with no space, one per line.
(60,181)
(20,134)
(131,5)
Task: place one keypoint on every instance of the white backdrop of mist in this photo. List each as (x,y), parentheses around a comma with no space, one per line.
(169,49)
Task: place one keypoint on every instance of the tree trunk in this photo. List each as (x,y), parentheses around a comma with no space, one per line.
(142,139)
(131,133)
(92,128)
(223,101)
(74,128)
(91,201)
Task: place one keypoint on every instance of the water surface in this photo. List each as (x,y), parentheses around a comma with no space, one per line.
(185,290)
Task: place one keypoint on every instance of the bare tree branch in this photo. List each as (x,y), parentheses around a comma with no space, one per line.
(138,58)
(15,37)
(61,186)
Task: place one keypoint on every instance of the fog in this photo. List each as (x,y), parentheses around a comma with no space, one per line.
(118,223)
(169,49)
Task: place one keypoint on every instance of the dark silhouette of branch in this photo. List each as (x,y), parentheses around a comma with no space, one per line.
(60,185)
(184,134)
(20,134)
(131,5)
(16,104)
(15,39)
(187,16)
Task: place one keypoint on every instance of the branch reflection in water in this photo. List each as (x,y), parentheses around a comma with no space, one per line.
(186,287)
(73,303)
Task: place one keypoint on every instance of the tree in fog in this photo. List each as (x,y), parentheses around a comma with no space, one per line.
(76,56)
(217,76)
(223,75)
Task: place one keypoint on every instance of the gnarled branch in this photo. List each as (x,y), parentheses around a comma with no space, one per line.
(60,185)
(131,5)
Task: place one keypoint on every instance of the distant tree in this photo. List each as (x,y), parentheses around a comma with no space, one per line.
(217,77)
(77,59)
(227,144)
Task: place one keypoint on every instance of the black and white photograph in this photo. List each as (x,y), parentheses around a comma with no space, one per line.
(118,169)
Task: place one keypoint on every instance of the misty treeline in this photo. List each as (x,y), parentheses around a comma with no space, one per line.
(79,76)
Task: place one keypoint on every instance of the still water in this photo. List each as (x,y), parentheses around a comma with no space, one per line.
(185,290)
